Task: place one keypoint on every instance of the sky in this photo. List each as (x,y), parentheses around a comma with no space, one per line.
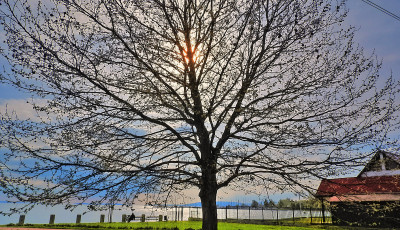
(377,32)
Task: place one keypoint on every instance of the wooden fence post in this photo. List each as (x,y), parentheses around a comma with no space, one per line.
(52,219)
(78,218)
(160,218)
(102,217)
(123,218)
(21,220)
(143,218)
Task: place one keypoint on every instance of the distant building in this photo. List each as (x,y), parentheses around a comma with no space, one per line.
(370,199)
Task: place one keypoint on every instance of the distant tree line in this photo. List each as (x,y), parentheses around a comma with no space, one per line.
(286,203)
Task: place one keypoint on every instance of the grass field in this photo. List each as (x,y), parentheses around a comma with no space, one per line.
(299,224)
(181,225)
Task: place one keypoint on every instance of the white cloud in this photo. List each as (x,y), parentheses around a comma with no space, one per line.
(21,109)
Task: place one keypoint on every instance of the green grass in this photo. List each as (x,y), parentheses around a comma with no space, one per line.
(299,224)
(181,225)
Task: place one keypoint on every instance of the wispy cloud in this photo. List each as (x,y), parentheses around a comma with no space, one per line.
(21,109)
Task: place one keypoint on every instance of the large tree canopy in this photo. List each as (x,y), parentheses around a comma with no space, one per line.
(159,96)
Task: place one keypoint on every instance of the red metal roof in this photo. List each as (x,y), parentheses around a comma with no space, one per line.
(359,186)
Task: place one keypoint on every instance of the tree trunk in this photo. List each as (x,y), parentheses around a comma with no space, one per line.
(208,196)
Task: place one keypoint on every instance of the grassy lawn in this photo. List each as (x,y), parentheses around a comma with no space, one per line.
(181,225)
(300,224)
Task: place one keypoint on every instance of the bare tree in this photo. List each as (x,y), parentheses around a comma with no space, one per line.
(159,96)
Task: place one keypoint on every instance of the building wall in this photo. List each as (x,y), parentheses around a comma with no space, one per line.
(382,164)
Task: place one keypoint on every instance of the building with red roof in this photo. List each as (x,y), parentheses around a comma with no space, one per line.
(371,198)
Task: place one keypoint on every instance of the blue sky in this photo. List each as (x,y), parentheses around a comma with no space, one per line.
(377,32)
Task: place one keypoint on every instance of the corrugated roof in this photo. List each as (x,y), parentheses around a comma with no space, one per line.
(359,186)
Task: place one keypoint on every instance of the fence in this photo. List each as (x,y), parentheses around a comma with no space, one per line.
(124,218)
(184,213)
(245,213)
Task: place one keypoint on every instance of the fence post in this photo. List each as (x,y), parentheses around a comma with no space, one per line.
(226,212)
(21,220)
(181,213)
(311,214)
(102,218)
(277,215)
(160,218)
(293,215)
(143,218)
(237,212)
(323,211)
(78,218)
(262,213)
(249,213)
(52,219)
(123,218)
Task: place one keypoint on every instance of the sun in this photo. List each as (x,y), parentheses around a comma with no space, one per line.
(193,55)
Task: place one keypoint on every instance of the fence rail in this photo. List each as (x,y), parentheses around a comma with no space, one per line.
(246,213)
